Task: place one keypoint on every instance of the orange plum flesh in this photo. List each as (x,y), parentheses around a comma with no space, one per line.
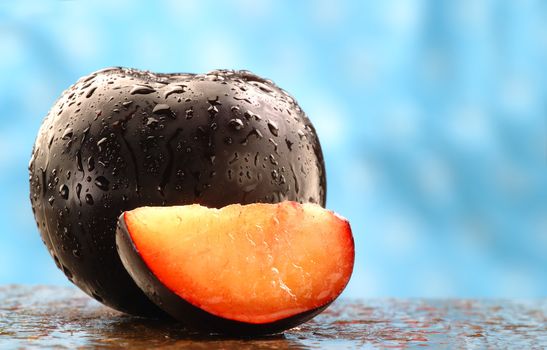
(255,263)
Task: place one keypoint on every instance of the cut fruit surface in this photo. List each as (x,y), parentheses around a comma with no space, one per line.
(256,263)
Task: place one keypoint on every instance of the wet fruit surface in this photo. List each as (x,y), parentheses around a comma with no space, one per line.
(251,269)
(121,138)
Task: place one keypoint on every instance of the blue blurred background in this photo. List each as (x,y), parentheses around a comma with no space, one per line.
(432,116)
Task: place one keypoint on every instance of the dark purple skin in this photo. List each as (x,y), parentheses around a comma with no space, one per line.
(121,138)
(185,312)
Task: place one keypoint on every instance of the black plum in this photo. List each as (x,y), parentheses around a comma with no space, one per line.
(122,138)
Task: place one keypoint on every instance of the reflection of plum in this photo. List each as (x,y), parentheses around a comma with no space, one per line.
(122,138)
(251,269)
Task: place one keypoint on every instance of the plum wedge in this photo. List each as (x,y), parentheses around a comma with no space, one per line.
(241,269)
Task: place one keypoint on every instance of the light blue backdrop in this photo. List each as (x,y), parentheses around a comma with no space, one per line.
(432,116)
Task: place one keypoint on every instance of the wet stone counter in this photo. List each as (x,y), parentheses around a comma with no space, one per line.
(61,317)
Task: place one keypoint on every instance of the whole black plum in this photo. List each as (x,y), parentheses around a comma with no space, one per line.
(122,138)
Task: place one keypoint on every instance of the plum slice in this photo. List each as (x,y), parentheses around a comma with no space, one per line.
(241,269)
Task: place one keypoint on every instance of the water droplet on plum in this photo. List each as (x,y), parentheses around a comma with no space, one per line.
(89,199)
(90,91)
(67,134)
(142,90)
(274,129)
(90,164)
(161,108)
(63,191)
(236,123)
(102,183)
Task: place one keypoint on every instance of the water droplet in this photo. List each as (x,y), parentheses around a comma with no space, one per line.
(236,123)
(228,140)
(214,101)
(79,165)
(78,190)
(90,91)
(263,87)
(102,183)
(141,90)
(63,191)
(67,134)
(152,122)
(76,253)
(51,200)
(189,113)
(201,131)
(250,115)
(251,133)
(236,157)
(90,164)
(161,108)
(213,108)
(301,134)
(101,142)
(296,185)
(275,145)
(174,89)
(89,199)
(289,144)
(273,128)
(127,103)
(243,99)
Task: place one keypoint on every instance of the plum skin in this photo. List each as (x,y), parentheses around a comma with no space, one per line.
(192,316)
(122,138)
